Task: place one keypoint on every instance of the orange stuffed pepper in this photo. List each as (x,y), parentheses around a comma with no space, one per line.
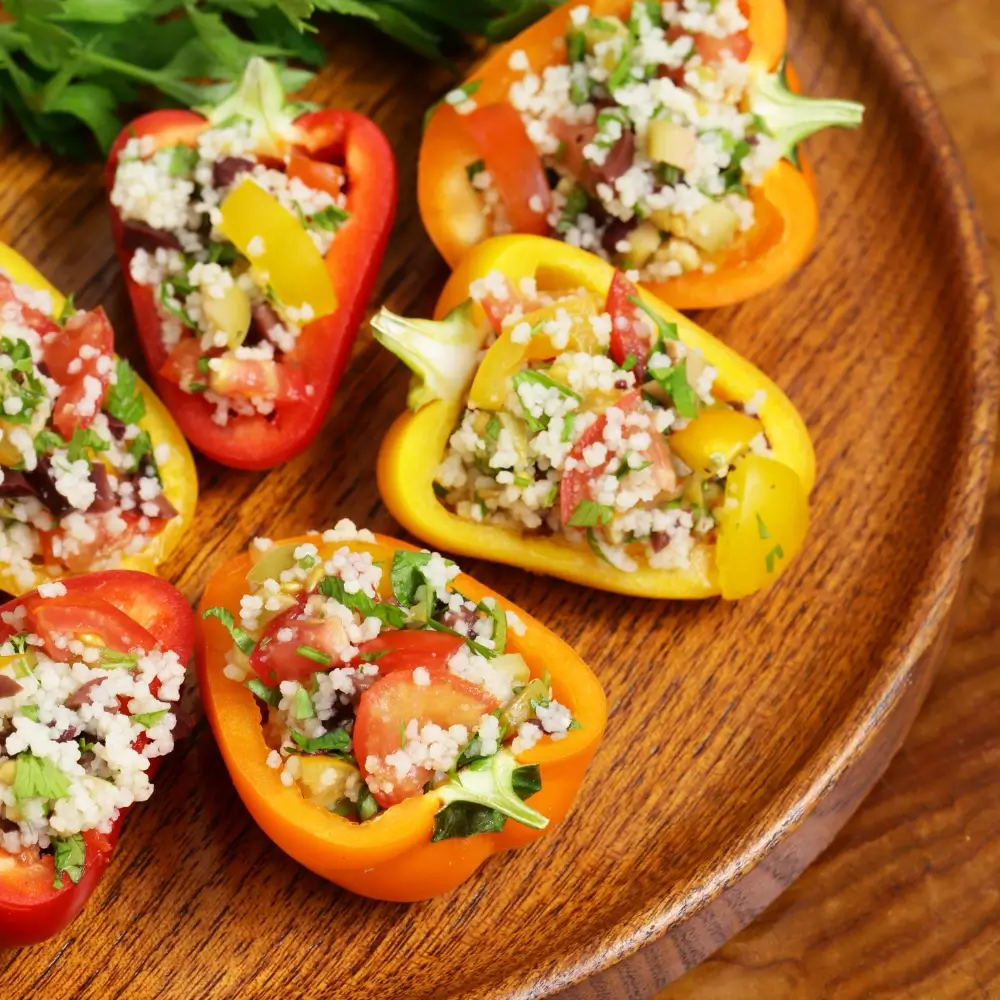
(663,137)
(388,722)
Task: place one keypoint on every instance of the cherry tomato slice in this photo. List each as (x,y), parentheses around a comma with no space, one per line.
(75,615)
(32,318)
(85,554)
(77,373)
(514,164)
(317,175)
(387,707)
(277,659)
(499,305)
(711,49)
(402,649)
(629,326)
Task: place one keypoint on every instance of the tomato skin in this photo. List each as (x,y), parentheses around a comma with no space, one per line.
(711,49)
(514,164)
(274,661)
(78,614)
(33,318)
(88,553)
(392,701)
(409,649)
(629,326)
(61,349)
(574,136)
(181,366)
(257,378)
(31,908)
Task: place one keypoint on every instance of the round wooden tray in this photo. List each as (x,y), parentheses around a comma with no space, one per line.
(741,737)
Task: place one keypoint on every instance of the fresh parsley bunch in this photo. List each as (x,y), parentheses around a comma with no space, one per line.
(72,71)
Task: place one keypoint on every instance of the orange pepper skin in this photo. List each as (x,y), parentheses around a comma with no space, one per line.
(416,442)
(391,856)
(787,211)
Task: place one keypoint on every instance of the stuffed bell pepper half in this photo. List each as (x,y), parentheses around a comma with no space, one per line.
(90,671)
(250,238)
(94,474)
(662,136)
(566,422)
(388,722)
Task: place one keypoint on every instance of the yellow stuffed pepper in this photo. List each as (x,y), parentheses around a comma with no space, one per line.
(564,421)
(94,473)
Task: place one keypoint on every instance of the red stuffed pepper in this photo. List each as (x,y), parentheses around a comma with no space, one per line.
(250,239)
(90,669)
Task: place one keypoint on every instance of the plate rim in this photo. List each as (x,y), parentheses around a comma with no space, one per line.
(657,944)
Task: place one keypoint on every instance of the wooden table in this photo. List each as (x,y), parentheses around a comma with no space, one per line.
(906,902)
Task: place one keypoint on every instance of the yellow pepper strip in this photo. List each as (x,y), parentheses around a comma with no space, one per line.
(416,444)
(277,244)
(505,357)
(180,480)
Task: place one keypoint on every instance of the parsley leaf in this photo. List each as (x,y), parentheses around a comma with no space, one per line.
(149,719)
(243,641)
(68,310)
(84,438)
(388,614)
(587,513)
(664,330)
(70,857)
(38,778)
(674,382)
(407,575)
(335,741)
(124,399)
(268,695)
(330,219)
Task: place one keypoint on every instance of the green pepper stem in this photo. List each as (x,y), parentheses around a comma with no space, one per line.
(259,98)
(442,354)
(791,117)
(489,782)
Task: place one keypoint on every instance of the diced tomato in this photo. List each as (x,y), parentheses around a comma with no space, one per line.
(576,482)
(317,175)
(711,49)
(33,319)
(499,307)
(386,709)
(404,649)
(277,659)
(75,615)
(257,378)
(91,332)
(630,327)
(181,366)
(85,554)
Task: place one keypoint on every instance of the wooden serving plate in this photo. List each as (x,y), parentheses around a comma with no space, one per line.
(741,736)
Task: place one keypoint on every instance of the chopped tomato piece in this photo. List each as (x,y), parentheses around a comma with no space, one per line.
(181,366)
(401,649)
(277,657)
(710,48)
(77,615)
(498,305)
(79,357)
(629,326)
(84,555)
(514,164)
(388,706)
(317,175)
(33,318)
(256,378)
(576,482)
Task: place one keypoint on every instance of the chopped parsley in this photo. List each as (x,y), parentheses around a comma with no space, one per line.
(243,641)
(124,399)
(70,855)
(588,513)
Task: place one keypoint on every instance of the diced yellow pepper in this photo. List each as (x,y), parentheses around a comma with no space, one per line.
(505,357)
(256,221)
(714,439)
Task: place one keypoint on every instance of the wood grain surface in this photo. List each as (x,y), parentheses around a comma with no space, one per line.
(741,737)
(906,902)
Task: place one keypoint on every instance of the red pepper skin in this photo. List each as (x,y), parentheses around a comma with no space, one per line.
(30,913)
(324,347)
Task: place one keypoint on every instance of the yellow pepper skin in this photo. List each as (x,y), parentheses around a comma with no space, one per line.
(296,269)
(416,443)
(180,480)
